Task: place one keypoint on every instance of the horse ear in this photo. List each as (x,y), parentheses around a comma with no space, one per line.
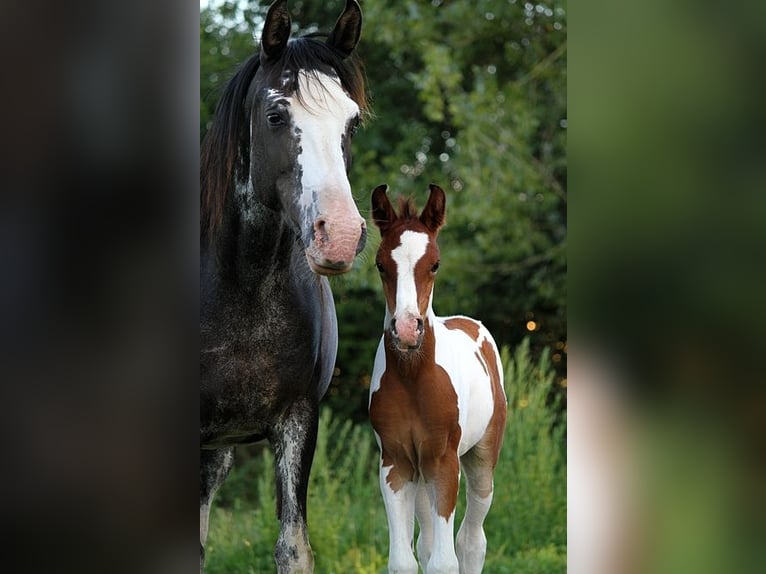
(383,214)
(276,31)
(345,35)
(433,213)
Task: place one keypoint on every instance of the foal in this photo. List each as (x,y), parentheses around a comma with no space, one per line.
(437,402)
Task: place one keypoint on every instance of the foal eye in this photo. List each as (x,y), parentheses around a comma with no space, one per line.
(435,267)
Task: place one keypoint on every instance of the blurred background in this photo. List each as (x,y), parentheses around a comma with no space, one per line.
(667,385)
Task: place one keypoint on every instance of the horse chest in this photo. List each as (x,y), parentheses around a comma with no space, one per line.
(252,364)
(416,416)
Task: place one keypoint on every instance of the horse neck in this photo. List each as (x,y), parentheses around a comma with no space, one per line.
(254,244)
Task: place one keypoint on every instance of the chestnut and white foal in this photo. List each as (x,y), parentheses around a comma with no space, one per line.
(437,402)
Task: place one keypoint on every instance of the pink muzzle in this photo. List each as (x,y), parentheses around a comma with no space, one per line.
(337,240)
(407,331)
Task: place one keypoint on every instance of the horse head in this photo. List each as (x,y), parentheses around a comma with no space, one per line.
(281,141)
(408,259)
(305,104)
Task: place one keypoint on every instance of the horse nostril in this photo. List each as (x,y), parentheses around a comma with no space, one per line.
(420,325)
(320,227)
(393,326)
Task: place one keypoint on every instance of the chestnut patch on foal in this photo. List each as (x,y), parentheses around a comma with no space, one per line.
(493,437)
(468,326)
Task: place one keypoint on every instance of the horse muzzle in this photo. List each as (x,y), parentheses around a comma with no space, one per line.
(335,244)
(407,333)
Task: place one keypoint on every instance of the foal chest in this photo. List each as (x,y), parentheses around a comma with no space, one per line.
(414,412)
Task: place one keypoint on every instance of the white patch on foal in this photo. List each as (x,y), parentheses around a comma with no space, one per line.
(411,248)
(461,357)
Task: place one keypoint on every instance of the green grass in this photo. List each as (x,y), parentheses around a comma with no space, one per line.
(526,527)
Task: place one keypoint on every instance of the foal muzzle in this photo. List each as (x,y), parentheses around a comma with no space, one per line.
(407,332)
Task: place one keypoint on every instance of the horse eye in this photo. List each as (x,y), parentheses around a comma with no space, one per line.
(379,266)
(275,119)
(354,127)
(435,267)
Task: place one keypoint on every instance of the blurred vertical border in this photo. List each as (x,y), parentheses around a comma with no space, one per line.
(666,389)
(99,285)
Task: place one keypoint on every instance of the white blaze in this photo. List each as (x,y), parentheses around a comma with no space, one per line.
(322,114)
(412,247)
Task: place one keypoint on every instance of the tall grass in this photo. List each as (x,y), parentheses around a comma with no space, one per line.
(526,527)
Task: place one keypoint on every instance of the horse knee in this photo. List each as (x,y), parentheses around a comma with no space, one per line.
(293,553)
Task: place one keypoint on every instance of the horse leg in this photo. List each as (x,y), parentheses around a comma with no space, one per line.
(399,500)
(471,541)
(442,477)
(423,512)
(214,465)
(294,441)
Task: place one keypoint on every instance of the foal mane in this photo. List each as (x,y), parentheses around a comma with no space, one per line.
(407,209)
(225,150)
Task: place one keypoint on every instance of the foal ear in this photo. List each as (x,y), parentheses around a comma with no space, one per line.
(383,214)
(276,31)
(345,35)
(433,213)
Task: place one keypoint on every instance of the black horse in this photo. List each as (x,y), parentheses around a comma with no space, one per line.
(277,215)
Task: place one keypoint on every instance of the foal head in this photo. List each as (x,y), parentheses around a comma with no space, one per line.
(407,259)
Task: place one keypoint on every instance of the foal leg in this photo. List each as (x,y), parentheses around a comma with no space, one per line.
(471,541)
(399,500)
(294,441)
(442,481)
(423,512)
(214,465)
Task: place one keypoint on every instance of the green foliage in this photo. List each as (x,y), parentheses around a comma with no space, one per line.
(526,526)
(226,41)
(344,507)
(533,463)
(469,95)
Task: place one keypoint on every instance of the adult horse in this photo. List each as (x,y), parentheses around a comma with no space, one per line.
(277,216)
(437,402)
